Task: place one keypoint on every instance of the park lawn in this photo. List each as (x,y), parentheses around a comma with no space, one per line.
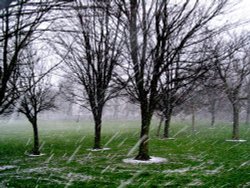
(200,159)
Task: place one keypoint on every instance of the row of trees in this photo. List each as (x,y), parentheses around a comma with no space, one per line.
(227,77)
(155,50)
(156,53)
(22,85)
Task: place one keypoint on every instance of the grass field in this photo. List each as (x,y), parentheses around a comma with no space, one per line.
(202,159)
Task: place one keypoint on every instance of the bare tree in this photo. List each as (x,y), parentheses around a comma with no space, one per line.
(212,92)
(21,22)
(233,70)
(155,28)
(39,95)
(170,99)
(93,57)
(178,81)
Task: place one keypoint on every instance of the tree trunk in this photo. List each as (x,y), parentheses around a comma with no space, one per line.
(159,126)
(212,118)
(166,127)
(236,113)
(212,111)
(143,147)
(35,150)
(98,126)
(193,119)
(248,116)
(168,115)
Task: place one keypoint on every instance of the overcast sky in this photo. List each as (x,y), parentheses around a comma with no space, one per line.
(242,12)
(244,9)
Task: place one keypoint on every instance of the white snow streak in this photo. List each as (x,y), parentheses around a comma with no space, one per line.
(32,155)
(215,171)
(183,129)
(73,155)
(135,147)
(112,138)
(195,182)
(235,140)
(247,163)
(7,167)
(102,149)
(122,142)
(49,159)
(129,181)
(180,170)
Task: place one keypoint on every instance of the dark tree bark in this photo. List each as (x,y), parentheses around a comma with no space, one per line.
(98,126)
(167,125)
(144,137)
(160,124)
(36,146)
(146,115)
(213,112)
(236,125)
(213,94)
(193,119)
(5,3)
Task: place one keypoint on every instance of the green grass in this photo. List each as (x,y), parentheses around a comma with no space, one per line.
(202,159)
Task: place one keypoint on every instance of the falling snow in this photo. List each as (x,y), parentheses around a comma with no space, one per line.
(181,170)
(195,182)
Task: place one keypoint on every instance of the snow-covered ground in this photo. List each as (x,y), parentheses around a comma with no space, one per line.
(102,149)
(32,155)
(150,161)
(7,167)
(235,140)
(58,176)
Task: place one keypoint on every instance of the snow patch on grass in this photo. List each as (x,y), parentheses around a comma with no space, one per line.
(32,155)
(170,183)
(56,175)
(247,163)
(235,140)
(200,169)
(215,171)
(76,177)
(43,170)
(195,182)
(184,170)
(247,185)
(150,161)
(180,170)
(101,149)
(7,167)
(171,138)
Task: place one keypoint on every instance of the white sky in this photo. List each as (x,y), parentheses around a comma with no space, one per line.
(242,12)
(244,9)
